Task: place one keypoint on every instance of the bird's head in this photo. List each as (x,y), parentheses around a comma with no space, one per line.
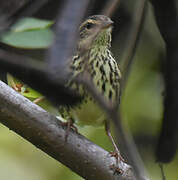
(98,29)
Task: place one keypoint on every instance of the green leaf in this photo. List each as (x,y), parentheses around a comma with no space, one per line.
(29,39)
(22,88)
(31,93)
(29,33)
(27,24)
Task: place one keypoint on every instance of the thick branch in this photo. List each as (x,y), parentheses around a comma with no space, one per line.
(47,133)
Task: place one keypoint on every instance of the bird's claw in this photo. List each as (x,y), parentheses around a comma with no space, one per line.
(117,156)
(69,125)
(116,169)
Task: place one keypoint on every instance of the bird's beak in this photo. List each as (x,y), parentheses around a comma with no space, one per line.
(108,24)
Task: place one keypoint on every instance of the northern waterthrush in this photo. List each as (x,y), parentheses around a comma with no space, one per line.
(101,68)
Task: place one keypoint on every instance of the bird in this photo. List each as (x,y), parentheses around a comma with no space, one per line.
(102,69)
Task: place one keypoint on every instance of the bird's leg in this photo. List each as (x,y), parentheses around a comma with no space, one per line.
(116,152)
(69,124)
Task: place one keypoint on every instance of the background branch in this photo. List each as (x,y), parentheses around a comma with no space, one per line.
(110,7)
(131,42)
(167,20)
(66,38)
(11,11)
(47,133)
(28,69)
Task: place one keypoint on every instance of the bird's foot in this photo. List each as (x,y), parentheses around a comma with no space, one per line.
(69,125)
(116,169)
(117,156)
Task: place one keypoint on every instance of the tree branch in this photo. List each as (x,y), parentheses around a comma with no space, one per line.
(33,73)
(166,15)
(46,132)
(66,38)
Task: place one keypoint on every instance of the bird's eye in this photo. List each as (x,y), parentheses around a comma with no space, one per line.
(89,25)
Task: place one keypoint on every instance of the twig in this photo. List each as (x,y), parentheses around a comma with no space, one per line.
(17,10)
(162,171)
(129,148)
(47,133)
(137,20)
(110,7)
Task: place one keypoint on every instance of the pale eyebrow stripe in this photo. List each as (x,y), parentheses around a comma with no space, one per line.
(82,27)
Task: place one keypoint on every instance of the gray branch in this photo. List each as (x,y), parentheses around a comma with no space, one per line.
(47,133)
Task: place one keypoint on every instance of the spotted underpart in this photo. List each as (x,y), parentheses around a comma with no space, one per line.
(103,71)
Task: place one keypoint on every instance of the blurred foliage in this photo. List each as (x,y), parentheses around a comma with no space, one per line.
(141,108)
(22,88)
(29,33)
